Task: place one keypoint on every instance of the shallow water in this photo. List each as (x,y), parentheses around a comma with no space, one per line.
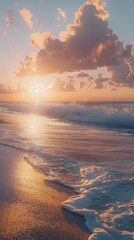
(87,147)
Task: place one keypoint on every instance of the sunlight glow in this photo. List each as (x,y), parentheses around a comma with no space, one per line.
(36,90)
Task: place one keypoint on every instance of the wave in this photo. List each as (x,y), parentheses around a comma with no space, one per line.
(118,116)
(104,197)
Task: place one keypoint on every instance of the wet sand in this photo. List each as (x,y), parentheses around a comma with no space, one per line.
(30,208)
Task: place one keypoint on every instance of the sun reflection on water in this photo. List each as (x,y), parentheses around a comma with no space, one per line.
(34,125)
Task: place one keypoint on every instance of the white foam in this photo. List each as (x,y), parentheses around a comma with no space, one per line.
(104,198)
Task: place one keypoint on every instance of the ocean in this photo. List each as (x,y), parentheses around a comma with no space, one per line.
(86,146)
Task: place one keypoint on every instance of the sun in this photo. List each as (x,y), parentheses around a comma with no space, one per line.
(36,90)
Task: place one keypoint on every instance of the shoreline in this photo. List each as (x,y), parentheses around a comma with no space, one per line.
(30,207)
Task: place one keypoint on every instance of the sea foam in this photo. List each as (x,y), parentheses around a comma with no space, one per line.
(104,197)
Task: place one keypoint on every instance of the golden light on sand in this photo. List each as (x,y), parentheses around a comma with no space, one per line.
(19,216)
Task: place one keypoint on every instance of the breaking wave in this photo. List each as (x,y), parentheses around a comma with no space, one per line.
(115,116)
(104,197)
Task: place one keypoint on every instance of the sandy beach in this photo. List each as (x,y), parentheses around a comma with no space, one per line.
(31,208)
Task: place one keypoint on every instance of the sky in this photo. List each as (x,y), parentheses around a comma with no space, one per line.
(66,50)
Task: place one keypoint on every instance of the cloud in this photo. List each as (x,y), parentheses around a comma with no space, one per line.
(123,74)
(86,44)
(113,89)
(69,85)
(7,89)
(61,15)
(99,82)
(27,17)
(10,18)
(28,65)
(39,39)
(60,85)
(82,75)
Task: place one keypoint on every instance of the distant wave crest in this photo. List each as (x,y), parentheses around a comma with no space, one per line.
(113,116)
